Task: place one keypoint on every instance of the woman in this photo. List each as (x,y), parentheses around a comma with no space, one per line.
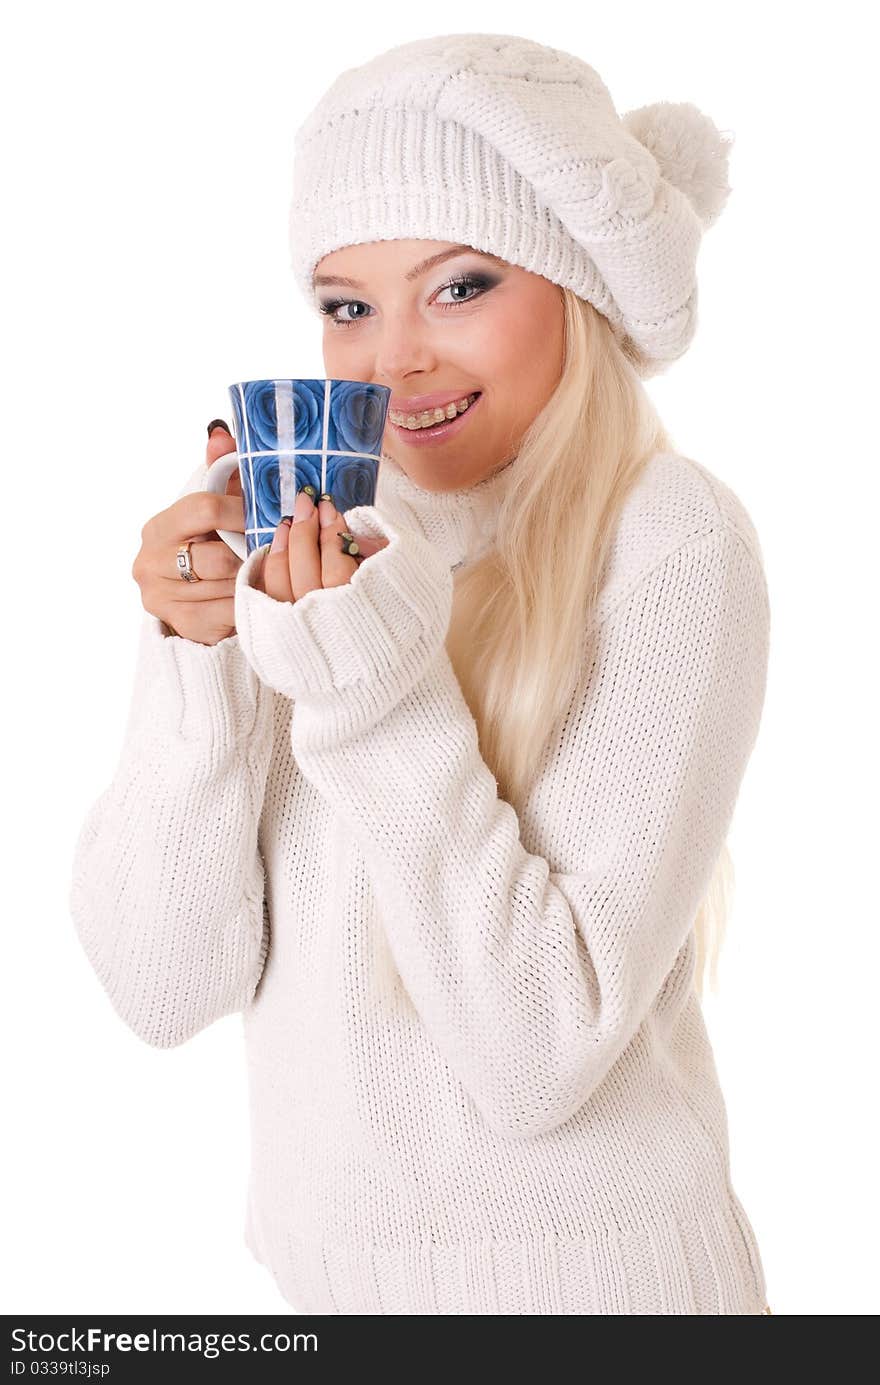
(449,837)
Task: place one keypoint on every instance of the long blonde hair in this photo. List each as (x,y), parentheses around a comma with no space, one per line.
(516,637)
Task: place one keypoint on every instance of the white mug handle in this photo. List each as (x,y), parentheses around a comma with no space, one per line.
(217,480)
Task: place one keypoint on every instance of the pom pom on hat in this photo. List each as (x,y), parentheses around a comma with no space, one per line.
(691,152)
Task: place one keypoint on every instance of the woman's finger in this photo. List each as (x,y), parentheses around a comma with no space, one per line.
(211,560)
(367,544)
(337,565)
(304,554)
(273,573)
(221,442)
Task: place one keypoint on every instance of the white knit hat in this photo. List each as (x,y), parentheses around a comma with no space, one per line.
(503,144)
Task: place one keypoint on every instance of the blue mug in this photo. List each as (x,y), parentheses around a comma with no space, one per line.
(292,433)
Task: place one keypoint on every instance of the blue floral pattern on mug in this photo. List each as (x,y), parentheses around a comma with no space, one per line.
(352,481)
(291,433)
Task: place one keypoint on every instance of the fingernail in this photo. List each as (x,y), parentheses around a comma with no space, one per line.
(281,538)
(218,423)
(304,505)
(326,509)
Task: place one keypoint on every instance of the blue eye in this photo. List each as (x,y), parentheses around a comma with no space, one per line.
(469,281)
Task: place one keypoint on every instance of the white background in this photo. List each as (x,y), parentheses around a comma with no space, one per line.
(147,160)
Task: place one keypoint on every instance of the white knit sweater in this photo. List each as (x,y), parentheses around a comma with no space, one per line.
(480,1080)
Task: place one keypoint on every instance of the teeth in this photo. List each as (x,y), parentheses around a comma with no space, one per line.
(431,417)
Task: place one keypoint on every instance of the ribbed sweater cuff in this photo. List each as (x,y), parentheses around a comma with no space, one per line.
(214,691)
(377,630)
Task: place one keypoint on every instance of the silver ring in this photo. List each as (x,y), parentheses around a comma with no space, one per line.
(184,563)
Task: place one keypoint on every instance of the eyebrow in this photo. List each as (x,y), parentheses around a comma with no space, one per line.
(321,280)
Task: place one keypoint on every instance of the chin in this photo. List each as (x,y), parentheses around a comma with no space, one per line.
(437,478)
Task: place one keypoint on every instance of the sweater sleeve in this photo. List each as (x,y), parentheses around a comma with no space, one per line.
(167,882)
(531,972)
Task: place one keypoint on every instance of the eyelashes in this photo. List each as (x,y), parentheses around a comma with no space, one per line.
(482,283)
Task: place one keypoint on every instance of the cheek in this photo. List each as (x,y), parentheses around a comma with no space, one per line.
(523,357)
(332,347)
(340,348)
(498,359)
(510,359)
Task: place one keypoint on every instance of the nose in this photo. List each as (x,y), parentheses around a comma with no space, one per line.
(403,349)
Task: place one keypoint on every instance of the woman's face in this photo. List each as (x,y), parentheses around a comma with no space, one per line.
(419,330)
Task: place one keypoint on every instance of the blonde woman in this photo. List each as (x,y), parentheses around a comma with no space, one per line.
(443,813)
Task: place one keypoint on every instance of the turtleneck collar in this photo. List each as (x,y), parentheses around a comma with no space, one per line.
(460,523)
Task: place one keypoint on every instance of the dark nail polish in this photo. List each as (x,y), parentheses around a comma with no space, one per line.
(218,423)
(325,495)
(311,492)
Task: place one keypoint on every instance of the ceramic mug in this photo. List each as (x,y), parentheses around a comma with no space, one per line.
(292,433)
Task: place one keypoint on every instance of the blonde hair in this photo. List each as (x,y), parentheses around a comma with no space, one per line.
(516,637)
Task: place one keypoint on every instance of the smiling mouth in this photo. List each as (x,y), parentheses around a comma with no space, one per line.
(437,433)
(432,418)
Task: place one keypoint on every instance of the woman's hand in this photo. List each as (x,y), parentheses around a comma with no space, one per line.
(309,552)
(204,611)
(201,611)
